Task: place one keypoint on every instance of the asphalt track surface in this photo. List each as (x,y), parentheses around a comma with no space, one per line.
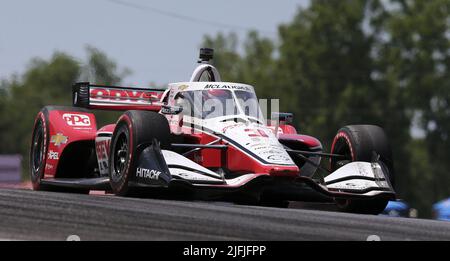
(31,215)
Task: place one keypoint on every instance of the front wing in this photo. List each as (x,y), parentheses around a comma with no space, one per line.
(353,180)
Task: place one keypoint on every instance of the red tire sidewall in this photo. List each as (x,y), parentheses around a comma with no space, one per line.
(344,136)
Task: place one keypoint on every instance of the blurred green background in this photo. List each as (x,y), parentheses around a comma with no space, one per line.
(337,62)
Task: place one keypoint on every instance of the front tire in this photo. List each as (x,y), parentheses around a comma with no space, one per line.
(362,143)
(134,128)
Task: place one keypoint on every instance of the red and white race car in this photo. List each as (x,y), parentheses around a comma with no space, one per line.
(204,138)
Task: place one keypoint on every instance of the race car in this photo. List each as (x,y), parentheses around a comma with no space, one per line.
(204,139)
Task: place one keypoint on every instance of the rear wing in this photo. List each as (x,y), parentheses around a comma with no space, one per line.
(103,97)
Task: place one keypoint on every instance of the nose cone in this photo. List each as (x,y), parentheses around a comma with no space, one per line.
(259,141)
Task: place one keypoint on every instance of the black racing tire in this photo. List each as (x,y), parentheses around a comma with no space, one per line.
(133,129)
(362,143)
(39,149)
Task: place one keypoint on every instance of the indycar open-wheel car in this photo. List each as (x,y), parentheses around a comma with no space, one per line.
(207,137)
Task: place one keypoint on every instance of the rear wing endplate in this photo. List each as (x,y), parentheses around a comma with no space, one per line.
(104,97)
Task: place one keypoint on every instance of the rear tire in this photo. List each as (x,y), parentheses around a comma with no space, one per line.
(362,143)
(38,150)
(133,129)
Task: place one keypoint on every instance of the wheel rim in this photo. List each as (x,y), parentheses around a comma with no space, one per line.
(120,159)
(37,149)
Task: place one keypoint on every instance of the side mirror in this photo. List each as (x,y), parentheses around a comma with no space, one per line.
(286,117)
(171,110)
(278,117)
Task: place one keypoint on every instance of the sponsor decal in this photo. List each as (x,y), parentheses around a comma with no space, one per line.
(352,185)
(231,87)
(102,148)
(53,155)
(258,145)
(256,139)
(232,126)
(171,110)
(189,176)
(48,166)
(147,173)
(274,155)
(79,120)
(138,96)
(272,150)
(58,139)
(256,133)
(277,157)
(183,87)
